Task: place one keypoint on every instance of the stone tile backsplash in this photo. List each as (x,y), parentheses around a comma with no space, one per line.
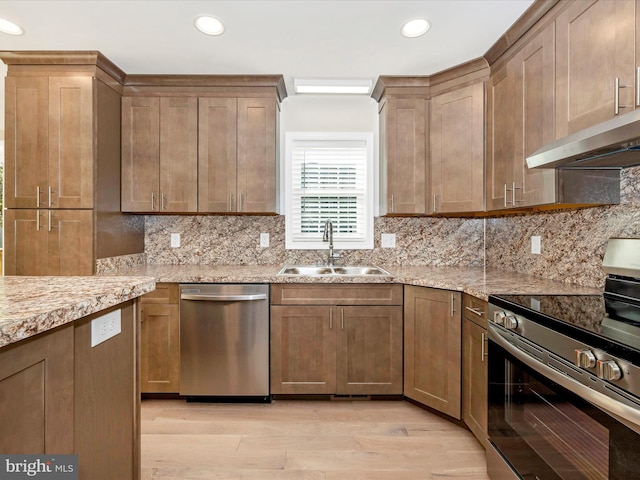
(573,241)
(227,240)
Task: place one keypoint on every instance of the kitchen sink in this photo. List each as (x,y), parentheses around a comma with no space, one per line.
(311,270)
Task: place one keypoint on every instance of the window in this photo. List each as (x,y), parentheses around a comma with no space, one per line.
(329,176)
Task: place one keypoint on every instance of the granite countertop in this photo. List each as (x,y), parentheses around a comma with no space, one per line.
(472,280)
(32,305)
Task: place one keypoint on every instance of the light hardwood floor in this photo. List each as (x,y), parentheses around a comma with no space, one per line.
(304,440)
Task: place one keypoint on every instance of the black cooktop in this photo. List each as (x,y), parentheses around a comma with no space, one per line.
(604,323)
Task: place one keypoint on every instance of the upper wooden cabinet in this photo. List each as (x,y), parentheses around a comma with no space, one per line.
(62,164)
(49,157)
(519,122)
(595,63)
(457,150)
(237,155)
(159,154)
(200,143)
(403,136)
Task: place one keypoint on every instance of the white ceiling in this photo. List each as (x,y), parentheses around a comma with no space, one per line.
(297,38)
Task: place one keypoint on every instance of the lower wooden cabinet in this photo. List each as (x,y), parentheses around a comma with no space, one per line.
(36,388)
(474,367)
(49,242)
(432,348)
(62,394)
(160,340)
(336,349)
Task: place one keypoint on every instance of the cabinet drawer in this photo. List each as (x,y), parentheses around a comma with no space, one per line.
(164,293)
(336,294)
(475,310)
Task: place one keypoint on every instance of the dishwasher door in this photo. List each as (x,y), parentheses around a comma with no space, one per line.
(224,340)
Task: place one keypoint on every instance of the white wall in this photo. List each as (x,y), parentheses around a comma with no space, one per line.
(328,113)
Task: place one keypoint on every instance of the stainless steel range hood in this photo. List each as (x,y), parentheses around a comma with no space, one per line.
(611,144)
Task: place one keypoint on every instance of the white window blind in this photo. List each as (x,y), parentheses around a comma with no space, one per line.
(330,180)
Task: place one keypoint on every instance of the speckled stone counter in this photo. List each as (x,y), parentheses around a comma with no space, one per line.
(33,305)
(475,281)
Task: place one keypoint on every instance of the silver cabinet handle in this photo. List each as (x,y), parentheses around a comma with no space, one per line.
(49,216)
(223,298)
(483,351)
(475,310)
(231,202)
(50,192)
(331,319)
(163,204)
(37,220)
(153,201)
(435,200)
(506,203)
(38,197)
(616,95)
(453,304)
(240,202)
(513,193)
(342,315)
(628,415)
(392,206)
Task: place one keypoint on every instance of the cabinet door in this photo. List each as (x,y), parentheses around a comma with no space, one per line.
(432,348)
(474,379)
(36,388)
(595,44)
(457,150)
(26,146)
(501,121)
(140,154)
(369,350)
(70,242)
(217,126)
(256,149)
(178,154)
(25,242)
(406,154)
(303,349)
(71,146)
(534,80)
(159,348)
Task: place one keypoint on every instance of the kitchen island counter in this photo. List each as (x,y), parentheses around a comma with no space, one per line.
(475,281)
(34,305)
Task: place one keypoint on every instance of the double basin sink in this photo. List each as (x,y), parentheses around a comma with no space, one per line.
(311,270)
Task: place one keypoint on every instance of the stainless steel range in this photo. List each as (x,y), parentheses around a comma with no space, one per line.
(564,379)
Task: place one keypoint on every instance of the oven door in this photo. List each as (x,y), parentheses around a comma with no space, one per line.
(544,431)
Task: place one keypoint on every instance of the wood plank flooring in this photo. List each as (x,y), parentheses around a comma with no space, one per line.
(304,440)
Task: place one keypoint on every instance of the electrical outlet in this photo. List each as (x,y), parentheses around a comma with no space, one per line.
(105,326)
(388,240)
(264,240)
(536,245)
(175,240)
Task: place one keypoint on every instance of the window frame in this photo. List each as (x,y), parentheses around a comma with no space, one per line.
(367,242)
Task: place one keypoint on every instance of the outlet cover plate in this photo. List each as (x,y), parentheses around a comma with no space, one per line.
(105,326)
(175,240)
(388,240)
(536,245)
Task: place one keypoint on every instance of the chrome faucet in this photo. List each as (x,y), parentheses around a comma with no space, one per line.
(327,236)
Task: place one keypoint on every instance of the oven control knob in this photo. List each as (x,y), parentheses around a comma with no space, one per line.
(498,317)
(608,370)
(510,322)
(585,358)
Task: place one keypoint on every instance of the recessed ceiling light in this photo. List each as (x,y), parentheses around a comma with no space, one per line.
(415,28)
(209,25)
(9,27)
(333,86)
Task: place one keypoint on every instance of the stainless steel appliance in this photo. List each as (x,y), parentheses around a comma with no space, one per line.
(564,379)
(224,341)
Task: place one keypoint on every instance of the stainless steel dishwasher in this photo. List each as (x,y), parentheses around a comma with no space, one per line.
(224,341)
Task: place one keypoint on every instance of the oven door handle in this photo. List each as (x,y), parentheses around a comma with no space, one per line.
(627,415)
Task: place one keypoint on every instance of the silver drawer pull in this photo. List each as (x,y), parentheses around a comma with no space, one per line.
(477,311)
